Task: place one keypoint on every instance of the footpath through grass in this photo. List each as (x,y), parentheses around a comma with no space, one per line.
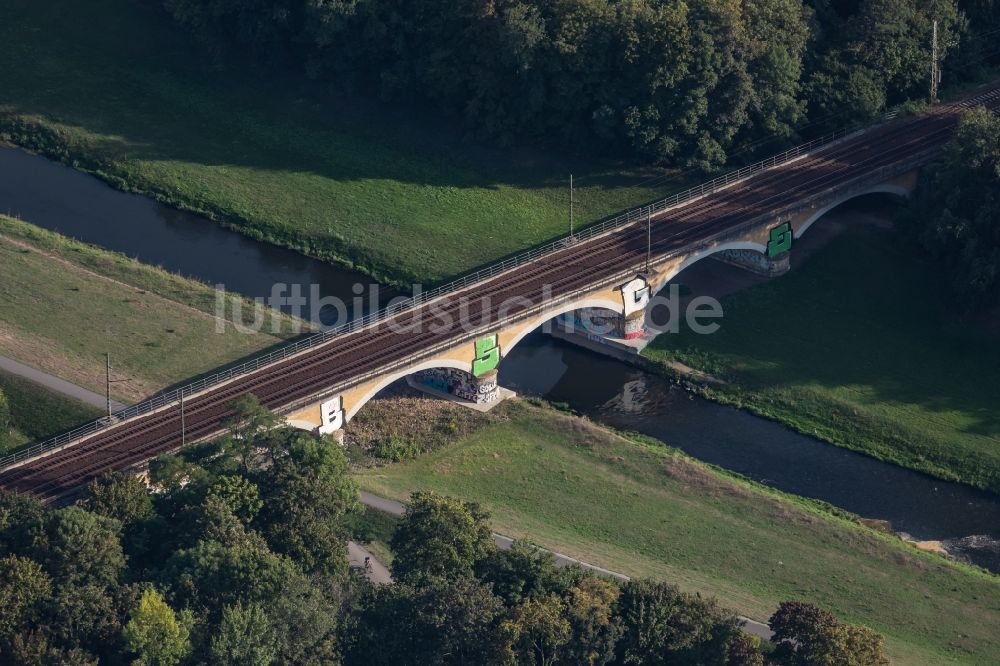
(35,411)
(643,509)
(857,348)
(63,304)
(116,88)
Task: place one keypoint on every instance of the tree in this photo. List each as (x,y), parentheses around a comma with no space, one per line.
(539,631)
(595,629)
(745,651)
(211,575)
(155,634)
(861,646)
(520,572)
(173,474)
(892,39)
(24,586)
(87,616)
(777,34)
(250,419)
(33,649)
(442,623)
(806,635)
(244,637)
(77,547)
(439,537)
(121,496)
(21,518)
(662,625)
(307,494)
(955,212)
(841,93)
(214,520)
(239,494)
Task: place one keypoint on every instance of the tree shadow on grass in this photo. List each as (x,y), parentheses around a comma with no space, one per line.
(146,89)
(866,315)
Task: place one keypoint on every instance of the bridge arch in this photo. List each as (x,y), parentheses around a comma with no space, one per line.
(400,374)
(881,188)
(670,274)
(532,324)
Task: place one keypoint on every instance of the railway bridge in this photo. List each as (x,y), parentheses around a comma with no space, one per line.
(456,335)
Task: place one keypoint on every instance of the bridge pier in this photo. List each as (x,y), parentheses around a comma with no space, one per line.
(756,262)
(481,393)
(599,325)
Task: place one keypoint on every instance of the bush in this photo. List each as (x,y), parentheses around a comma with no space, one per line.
(395,449)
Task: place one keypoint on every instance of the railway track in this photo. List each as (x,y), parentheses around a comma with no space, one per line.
(335,365)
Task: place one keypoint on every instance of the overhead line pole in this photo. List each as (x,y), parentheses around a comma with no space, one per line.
(571,207)
(935,74)
(107,382)
(183,429)
(649,236)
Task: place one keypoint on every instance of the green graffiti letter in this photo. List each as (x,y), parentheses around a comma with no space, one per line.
(487,355)
(781,240)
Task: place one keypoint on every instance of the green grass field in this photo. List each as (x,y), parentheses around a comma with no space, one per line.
(36,411)
(646,510)
(856,348)
(63,304)
(115,87)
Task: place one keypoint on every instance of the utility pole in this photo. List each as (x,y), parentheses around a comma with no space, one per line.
(649,236)
(109,382)
(935,73)
(571,207)
(183,429)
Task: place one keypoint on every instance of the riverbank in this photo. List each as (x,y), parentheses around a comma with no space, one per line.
(64,304)
(399,197)
(637,506)
(857,347)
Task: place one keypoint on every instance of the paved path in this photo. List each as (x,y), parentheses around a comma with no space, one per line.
(356,555)
(56,384)
(504,542)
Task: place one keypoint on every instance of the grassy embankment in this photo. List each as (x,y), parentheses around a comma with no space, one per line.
(858,348)
(646,510)
(36,411)
(140,104)
(63,304)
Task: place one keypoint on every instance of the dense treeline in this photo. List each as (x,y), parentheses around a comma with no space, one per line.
(956,213)
(239,558)
(681,83)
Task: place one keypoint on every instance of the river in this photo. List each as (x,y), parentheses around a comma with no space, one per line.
(967,521)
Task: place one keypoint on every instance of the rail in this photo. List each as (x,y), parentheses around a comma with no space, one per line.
(632,216)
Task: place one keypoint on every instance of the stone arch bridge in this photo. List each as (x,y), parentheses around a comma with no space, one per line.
(752,217)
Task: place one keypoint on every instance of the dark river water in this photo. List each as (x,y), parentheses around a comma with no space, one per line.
(968,521)
(56,197)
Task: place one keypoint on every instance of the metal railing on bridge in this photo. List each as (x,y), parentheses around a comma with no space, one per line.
(169,398)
